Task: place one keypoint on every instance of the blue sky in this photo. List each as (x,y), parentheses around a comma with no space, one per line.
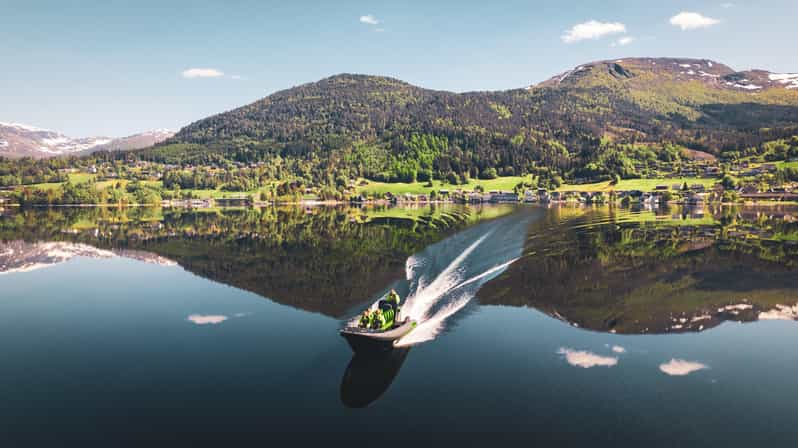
(116,67)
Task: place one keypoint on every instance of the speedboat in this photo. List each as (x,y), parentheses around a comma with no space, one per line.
(365,339)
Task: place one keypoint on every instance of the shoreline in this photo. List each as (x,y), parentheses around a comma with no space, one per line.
(333,203)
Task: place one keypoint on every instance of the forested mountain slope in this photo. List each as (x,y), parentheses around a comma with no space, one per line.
(386,129)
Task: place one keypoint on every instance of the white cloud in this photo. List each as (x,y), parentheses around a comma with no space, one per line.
(369,19)
(622,42)
(692,21)
(592,30)
(680,367)
(618,349)
(202,73)
(586,360)
(205,319)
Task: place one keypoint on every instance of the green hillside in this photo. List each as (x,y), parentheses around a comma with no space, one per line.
(387,130)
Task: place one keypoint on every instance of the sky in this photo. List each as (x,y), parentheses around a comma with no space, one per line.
(114,68)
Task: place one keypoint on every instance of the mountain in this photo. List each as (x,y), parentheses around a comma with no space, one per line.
(20,140)
(365,125)
(639,72)
(698,90)
(132,142)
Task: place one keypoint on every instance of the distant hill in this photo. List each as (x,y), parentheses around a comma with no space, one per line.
(689,93)
(365,124)
(135,141)
(20,140)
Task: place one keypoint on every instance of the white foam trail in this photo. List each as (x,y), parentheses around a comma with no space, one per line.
(429,329)
(424,298)
(486,273)
(431,326)
(430,304)
(411,265)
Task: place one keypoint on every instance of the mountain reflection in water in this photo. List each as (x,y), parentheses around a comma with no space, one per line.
(605,269)
(324,260)
(667,271)
(97,344)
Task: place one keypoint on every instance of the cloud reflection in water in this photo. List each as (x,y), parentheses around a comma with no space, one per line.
(680,367)
(585,359)
(205,319)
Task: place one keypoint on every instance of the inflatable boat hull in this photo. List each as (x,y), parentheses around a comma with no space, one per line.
(361,339)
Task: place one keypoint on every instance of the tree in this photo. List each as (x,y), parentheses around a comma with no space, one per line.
(728,182)
(489,173)
(451,178)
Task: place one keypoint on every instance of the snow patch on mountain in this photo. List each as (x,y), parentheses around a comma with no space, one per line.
(790,80)
(24,127)
(22,140)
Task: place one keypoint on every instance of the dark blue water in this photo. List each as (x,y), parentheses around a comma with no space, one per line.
(106,350)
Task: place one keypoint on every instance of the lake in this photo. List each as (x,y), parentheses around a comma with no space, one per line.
(582,326)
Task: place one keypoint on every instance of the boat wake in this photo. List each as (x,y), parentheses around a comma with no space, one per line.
(443,279)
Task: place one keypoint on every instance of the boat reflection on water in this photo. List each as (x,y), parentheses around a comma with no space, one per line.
(369,375)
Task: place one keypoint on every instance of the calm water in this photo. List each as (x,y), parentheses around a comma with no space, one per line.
(599,327)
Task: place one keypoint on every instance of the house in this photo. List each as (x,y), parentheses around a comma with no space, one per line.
(502,196)
(661,188)
(200,203)
(635,193)
(676,187)
(752,172)
(749,189)
(530,196)
(234,201)
(697,187)
(474,198)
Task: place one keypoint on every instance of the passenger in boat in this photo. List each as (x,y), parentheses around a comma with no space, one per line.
(384,316)
(366,319)
(389,307)
(394,299)
(379,320)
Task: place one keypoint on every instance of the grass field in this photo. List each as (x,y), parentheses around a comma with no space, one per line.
(508,183)
(638,184)
(380,188)
(79,178)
